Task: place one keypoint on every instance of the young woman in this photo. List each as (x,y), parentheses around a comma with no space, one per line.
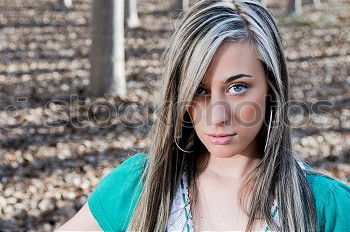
(221,156)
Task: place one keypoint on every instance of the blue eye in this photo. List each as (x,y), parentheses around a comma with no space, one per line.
(238,88)
(234,89)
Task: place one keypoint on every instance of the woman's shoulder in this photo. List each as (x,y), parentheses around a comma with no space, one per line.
(114,198)
(322,185)
(332,198)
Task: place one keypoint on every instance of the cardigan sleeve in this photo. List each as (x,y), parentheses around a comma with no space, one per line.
(115,196)
(335,208)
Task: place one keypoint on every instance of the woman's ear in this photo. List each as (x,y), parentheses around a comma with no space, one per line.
(188,111)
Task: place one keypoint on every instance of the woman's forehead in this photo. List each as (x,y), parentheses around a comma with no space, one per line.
(232,59)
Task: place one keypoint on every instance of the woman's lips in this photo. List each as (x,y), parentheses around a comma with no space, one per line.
(220,140)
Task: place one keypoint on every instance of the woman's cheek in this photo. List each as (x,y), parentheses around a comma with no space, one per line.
(195,111)
(250,115)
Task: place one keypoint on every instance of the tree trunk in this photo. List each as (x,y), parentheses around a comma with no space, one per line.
(317,4)
(185,5)
(107,74)
(263,2)
(181,4)
(294,7)
(133,19)
(65,4)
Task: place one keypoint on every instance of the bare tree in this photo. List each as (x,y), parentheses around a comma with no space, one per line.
(107,73)
(65,4)
(181,4)
(317,3)
(294,7)
(263,2)
(131,12)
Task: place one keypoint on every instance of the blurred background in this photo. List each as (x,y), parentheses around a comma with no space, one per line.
(62,128)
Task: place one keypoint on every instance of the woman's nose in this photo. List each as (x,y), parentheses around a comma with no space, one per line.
(219,113)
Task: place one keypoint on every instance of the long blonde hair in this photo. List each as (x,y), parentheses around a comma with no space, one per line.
(199,33)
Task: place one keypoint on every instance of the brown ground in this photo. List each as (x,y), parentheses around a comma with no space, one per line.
(50,164)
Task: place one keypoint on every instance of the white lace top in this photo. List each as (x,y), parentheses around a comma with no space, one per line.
(181,219)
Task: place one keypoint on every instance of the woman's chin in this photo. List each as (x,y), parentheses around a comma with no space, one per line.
(221,152)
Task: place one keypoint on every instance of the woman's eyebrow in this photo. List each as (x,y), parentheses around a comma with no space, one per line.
(232,78)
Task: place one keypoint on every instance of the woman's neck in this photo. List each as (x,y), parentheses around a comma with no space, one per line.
(234,167)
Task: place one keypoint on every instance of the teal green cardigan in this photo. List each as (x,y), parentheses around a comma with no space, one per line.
(115,197)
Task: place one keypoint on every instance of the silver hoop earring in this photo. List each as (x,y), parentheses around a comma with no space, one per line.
(268,131)
(180,147)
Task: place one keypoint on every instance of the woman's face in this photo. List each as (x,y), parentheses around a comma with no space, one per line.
(228,108)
